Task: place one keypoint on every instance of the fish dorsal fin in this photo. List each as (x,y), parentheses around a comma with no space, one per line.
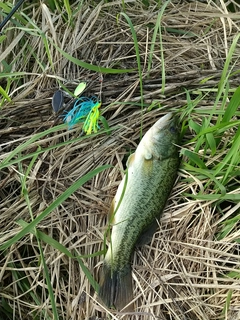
(130,160)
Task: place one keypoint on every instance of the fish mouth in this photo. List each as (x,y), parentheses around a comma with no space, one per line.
(166,121)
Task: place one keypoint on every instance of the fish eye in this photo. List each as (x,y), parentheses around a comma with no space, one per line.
(172,129)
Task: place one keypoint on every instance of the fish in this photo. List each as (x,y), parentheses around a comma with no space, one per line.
(137,206)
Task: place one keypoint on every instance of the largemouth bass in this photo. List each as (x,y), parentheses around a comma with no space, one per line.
(139,202)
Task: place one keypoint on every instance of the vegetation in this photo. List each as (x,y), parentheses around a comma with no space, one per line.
(142,59)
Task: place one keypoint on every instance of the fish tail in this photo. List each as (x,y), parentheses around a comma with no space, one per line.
(115,288)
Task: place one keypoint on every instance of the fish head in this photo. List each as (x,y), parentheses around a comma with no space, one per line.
(161,139)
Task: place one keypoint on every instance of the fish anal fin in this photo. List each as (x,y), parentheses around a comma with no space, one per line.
(115,288)
(147,234)
(111,219)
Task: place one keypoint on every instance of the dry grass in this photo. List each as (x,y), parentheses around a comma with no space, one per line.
(182,274)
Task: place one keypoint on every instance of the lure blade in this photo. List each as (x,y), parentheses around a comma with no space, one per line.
(57,100)
(80,88)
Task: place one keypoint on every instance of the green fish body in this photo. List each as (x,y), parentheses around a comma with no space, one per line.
(139,202)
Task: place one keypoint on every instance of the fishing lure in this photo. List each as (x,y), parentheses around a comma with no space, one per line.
(59,95)
(11,13)
(79,89)
(84,110)
(57,100)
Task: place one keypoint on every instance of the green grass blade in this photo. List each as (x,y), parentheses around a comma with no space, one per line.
(48,281)
(25,288)
(105,124)
(232,106)
(53,205)
(47,239)
(88,275)
(194,158)
(22,147)
(231,159)
(211,143)
(14,75)
(215,197)
(228,61)
(5,95)
(55,244)
(31,143)
(157,29)
(227,305)
(89,66)
(228,226)
(68,9)
(135,41)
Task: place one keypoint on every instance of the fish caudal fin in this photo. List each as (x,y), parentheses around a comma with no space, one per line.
(115,288)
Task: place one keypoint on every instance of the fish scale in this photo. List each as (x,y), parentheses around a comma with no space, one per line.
(132,228)
(139,202)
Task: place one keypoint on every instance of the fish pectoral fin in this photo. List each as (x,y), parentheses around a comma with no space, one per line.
(147,154)
(115,289)
(147,234)
(148,166)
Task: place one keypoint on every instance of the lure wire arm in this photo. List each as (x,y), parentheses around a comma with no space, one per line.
(11,13)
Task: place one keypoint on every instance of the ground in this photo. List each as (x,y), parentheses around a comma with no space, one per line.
(142,59)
